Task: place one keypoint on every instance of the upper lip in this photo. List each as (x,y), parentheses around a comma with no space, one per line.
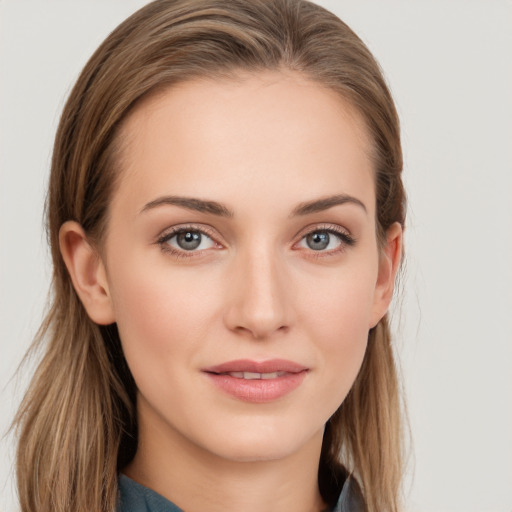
(247,365)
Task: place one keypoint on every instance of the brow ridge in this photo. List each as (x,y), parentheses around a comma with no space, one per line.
(216,208)
(190,203)
(324,203)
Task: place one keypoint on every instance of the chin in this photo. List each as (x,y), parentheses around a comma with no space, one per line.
(254,453)
(265,444)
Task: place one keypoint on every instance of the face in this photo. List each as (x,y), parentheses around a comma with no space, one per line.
(241,261)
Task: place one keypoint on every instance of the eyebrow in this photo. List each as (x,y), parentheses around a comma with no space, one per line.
(215,208)
(319,205)
(190,203)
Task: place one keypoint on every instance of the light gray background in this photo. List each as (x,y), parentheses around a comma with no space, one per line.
(449,64)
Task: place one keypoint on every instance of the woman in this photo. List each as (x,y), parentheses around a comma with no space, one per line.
(225,214)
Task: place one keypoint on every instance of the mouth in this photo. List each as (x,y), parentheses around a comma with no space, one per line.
(257,382)
(246,366)
(254,375)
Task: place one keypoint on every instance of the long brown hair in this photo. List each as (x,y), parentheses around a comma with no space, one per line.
(77,423)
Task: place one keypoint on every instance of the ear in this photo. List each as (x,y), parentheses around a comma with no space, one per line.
(389,261)
(87,273)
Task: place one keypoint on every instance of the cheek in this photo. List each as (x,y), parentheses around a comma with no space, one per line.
(341,301)
(339,313)
(160,312)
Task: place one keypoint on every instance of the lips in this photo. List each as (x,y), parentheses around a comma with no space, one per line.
(257,381)
(247,365)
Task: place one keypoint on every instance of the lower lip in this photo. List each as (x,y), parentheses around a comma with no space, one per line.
(258,390)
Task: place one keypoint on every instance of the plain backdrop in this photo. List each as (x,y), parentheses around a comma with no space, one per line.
(449,65)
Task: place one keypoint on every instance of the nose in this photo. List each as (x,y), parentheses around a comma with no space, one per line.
(259,296)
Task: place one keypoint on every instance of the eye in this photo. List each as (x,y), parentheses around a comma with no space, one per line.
(320,241)
(188,240)
(326,240)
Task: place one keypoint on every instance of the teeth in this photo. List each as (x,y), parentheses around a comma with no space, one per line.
(252,376)
(255,376)
(273,375)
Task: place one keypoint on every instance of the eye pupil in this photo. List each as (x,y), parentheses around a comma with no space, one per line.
(188,240)
(318,240)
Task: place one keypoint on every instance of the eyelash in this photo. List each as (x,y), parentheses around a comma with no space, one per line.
(346,240)
(168,235)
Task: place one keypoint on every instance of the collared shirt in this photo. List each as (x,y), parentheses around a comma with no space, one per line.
(134,497)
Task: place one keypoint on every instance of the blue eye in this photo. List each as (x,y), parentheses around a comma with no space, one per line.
(320,241)
(189,240)
(325,240)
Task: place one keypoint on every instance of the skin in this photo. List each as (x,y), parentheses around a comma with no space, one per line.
(262,146)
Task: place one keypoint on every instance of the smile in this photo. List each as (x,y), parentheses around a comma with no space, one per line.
(255,375)
(257,382)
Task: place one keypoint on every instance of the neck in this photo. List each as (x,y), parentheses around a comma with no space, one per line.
(197,480)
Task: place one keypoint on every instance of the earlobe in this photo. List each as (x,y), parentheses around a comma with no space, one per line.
(390,257)
(87,273)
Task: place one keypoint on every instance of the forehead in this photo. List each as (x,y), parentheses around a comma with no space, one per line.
(248,134)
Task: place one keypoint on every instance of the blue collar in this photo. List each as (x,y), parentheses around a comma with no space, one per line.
(134,497)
